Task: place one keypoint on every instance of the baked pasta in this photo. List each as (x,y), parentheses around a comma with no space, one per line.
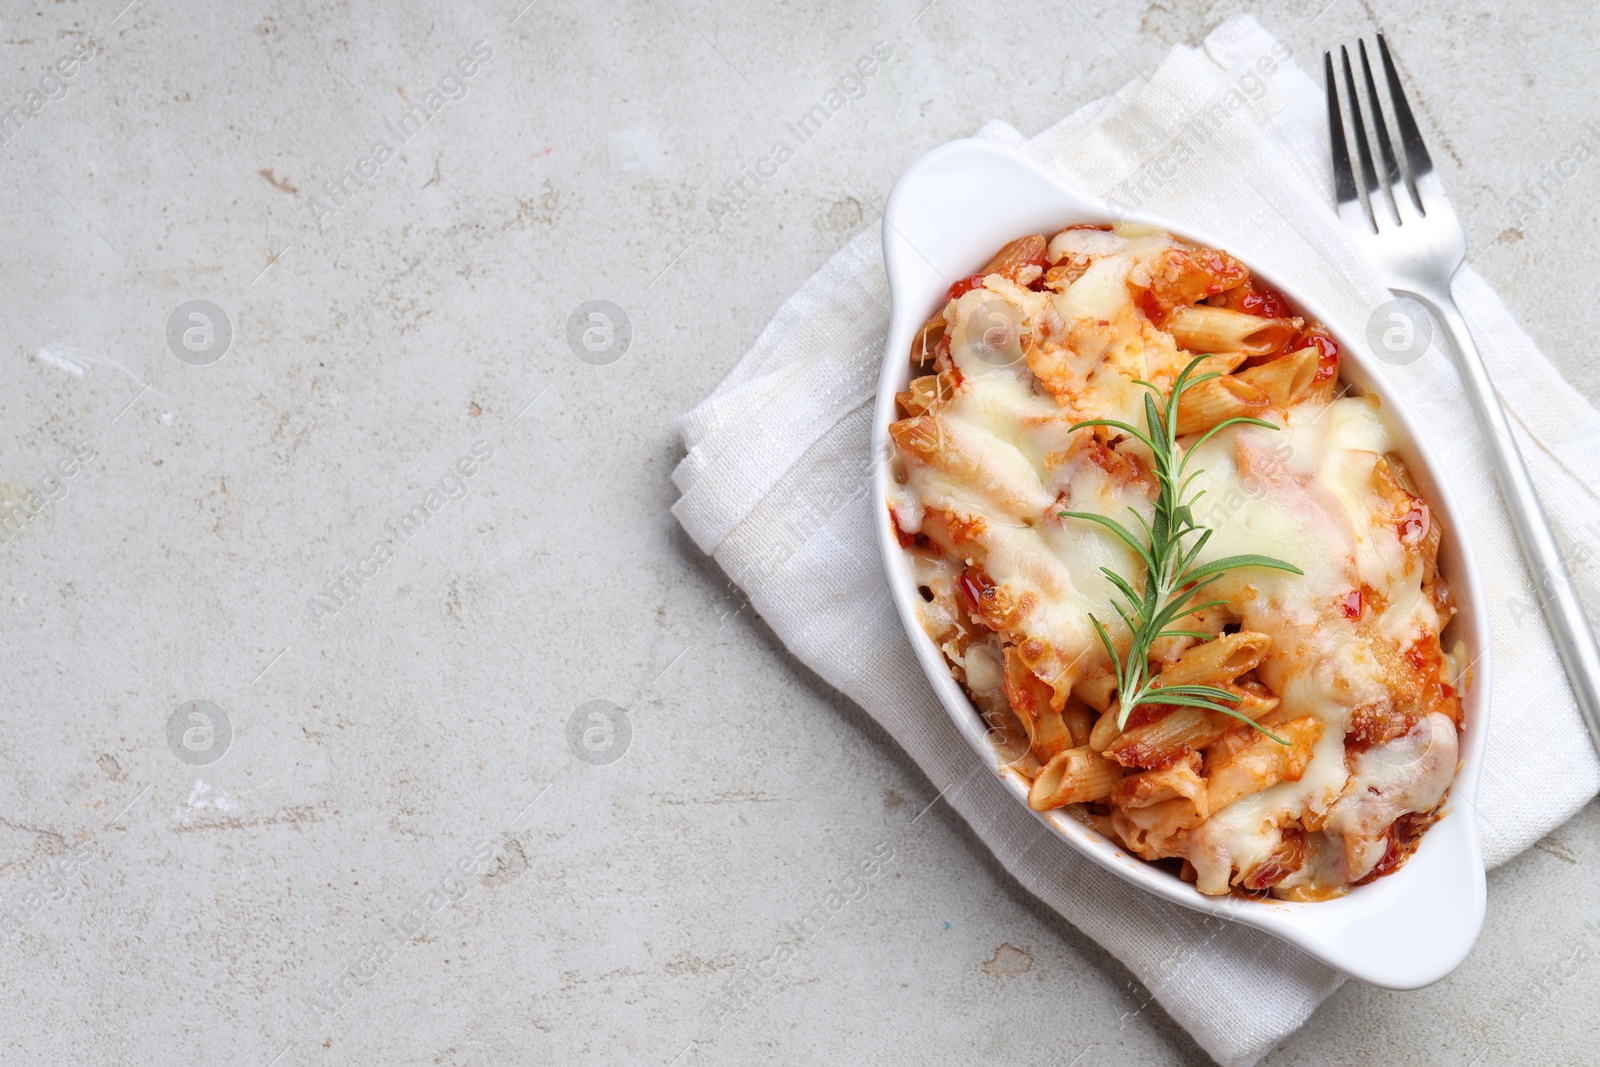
(1341,736)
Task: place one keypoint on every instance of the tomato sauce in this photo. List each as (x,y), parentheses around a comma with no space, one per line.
(906,540)
(977,591)
(1415,524)
(1268,303)
(963,287)
(1404,836)
(1327,353)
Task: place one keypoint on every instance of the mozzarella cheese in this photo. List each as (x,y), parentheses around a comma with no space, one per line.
(1004,461)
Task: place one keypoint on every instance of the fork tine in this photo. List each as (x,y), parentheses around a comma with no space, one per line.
(1344,179)
(1358,133)
(1380,132)
(1416,152)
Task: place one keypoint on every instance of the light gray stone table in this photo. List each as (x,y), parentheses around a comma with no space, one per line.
(376,843)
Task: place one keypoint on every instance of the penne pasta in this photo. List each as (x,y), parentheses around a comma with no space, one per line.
(1155,832)
(1031,699)
(1179,276)
(1075,776)
(1218,661)
(1051,735)
(1221,363)
(1221,398)
(1253,700)
(1428,547)
(922,394)
(1105,730)
(1096,688)
(1211,622)
(1253,766)
(1148,788)
(1009,738)
(1163,741)
(1285,379)
(921,435)
(925,345)
(1022,260)
(1080,720)
(1273,719)
(1153,808)
(1032,507)
(1419,526)
(1203,328)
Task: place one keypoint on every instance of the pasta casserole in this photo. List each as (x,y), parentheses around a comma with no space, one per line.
(1330,736)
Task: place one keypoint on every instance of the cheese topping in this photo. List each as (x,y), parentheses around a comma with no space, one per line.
(987,459)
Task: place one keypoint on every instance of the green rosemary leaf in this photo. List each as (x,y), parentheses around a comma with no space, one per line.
(1174,610)
(1118,424)
(1160,531)
(1158,432)
(1144,523)
(1132,626)
(1209,691)
(1172,581)
(1204,705)
(1182,604)
(1225,423)
(1228,563)
(1105,639)
(1122,584)
(1191,609)
(1153,698)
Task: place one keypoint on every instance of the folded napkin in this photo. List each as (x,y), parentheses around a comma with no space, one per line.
(1230,138)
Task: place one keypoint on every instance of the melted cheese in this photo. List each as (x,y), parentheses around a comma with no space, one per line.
(1009,462)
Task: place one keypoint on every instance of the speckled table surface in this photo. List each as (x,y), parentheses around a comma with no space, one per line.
(336,538)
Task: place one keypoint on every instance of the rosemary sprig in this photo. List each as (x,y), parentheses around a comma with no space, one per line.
(1172,581)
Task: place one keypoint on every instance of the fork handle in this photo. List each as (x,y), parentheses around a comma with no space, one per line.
(1569,627)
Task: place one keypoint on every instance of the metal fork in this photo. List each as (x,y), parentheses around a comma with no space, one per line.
(1411,234)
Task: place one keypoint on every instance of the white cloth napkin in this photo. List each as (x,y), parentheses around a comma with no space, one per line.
(775,487)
